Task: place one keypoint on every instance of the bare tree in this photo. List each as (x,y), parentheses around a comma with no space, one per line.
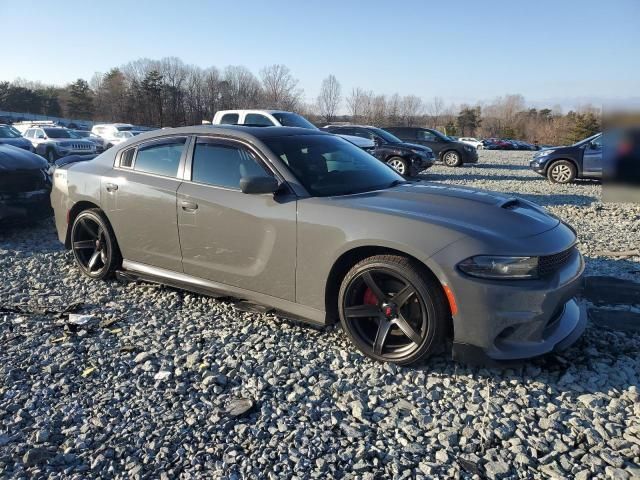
(280,88)
(241,88)
(434,109)
(411,108)
(356,103)
(329,98)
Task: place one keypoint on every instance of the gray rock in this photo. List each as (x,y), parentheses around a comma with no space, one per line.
(36,456)
(496,469)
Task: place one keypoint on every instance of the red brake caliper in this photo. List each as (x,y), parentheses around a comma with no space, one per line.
(369,297)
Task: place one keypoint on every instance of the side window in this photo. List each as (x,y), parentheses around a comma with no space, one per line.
(257,119)
(126,159)
(426,136)
(343,131)
(161,157)
(39,133)
(597,143)
(229,119)
(29,133)
(223,165)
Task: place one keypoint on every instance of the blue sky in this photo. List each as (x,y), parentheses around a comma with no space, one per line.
(464,51)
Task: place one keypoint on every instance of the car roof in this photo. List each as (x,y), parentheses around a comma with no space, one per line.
(238,131)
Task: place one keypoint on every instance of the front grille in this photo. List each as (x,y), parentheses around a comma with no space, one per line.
(78,146)
(550,263)
(27,181)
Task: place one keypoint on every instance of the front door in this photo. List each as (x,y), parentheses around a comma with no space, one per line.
(139,196)
(243,240)
(431,140)
(592,158)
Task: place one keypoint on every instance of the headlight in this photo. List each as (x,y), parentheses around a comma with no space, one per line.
(499,267)
(544,153)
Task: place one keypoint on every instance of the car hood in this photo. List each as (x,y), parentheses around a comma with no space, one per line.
(464,209)
(19,142)
(14,158)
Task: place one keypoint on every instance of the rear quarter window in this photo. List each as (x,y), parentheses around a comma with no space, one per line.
(229,119)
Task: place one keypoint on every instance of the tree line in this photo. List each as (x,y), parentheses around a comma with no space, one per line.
(168,92)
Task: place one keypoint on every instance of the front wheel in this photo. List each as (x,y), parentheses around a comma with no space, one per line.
(94,245)
(561,171)
(452,159)
(393,310)
(400,165)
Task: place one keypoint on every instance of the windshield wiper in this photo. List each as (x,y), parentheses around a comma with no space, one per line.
(395,183)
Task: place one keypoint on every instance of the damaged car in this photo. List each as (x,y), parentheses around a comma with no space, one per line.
(308,224)
(25,184)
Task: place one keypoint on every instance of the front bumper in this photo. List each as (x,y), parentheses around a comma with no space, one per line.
(514,320)
(538,167)
(422,162)
(34,204)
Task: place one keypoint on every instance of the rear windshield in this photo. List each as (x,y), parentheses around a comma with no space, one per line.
(293,120)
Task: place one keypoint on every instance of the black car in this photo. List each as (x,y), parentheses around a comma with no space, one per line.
(564,164)
(448,151)
(25,184)
(406,158)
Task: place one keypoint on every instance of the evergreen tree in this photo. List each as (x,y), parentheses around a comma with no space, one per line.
(80,103)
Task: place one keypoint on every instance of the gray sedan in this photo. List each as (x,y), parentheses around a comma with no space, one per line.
(314,227)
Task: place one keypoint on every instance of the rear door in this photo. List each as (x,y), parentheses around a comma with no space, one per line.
(140,198)
(592,158)
(233,238)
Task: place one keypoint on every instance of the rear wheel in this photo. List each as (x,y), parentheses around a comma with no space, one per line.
(452,159)
(94,245)
(393,310)
(400,165)
(562,171)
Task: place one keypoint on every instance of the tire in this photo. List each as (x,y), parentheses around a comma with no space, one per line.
(94,245)
(561,171)
(400,165)
(51,156)
(452,158)
(408,332)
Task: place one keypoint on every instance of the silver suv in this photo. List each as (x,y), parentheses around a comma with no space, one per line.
(56,142)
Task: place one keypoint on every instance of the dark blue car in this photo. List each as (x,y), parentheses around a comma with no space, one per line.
(11,136)
(565,164)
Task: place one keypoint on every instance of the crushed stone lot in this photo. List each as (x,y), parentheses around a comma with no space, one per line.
(167,384)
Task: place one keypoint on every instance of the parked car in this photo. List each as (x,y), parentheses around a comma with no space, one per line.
(564,164)
(474,142)
(406,158)
(55,142)
(11,136)
(449,152)
(25,184)
(112,134)
(279,118)
(310,225)
(92,137)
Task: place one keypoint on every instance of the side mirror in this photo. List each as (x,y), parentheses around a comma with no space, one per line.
(257,185)
(594,146)
(377,141)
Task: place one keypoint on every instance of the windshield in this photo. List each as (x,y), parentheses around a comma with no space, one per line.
(328,165)
(586,140)
(293,120)
(81,134)
(386,135)
(8,132)
(58,133)
(125,128)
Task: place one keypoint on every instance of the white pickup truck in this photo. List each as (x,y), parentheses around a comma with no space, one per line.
(278,118)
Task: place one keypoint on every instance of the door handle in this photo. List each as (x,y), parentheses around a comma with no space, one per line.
(111,187)
(189,206)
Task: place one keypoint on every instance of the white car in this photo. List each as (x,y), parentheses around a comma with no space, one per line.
(114,133)
(279,118)
(474,142)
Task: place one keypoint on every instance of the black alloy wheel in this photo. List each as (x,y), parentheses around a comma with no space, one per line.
(393,310)
(94,246)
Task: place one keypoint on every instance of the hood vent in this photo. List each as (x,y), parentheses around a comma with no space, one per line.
(510,204)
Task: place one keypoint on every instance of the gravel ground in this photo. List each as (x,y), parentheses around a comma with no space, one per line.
(174,385)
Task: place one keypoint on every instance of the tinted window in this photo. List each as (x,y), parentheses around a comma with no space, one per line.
(161,157)
(362,132)
(288,119)
(329,165)
(223,165)
(57,133)
(229,119)
(342,131)
(426,136)
(257,119)
(6,132)
(126,160)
